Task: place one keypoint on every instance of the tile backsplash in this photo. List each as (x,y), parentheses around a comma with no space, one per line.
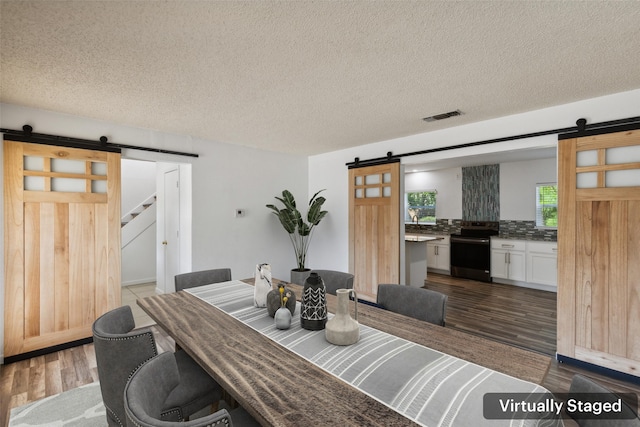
(481,193)
(509,229)
(526,230)
(440,227)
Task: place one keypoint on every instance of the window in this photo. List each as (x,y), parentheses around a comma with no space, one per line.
(547,205)
(420,207)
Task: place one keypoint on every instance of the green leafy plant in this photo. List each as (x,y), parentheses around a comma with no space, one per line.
(299,230)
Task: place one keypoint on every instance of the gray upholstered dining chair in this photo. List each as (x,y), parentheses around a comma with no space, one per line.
(120,350)
(334,280)
(581,384)
(203,277)
(153,383)
(419,303)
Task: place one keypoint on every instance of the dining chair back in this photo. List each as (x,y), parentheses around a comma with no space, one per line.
(148,389)
(583,387)
(419,303)
(203,277)
(334,280)
(120,350)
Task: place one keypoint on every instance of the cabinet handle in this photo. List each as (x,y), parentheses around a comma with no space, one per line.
(506,261)
(436,250)
(507,246)
(554,249)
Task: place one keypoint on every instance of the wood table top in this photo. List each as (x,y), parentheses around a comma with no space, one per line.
(280,388)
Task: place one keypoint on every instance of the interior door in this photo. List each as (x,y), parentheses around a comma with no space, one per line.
(599,250)
(171,240)
(62,243)
(374,227)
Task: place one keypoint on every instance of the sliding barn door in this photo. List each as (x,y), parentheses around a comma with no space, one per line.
(62,243)
(599,250)
(374,227)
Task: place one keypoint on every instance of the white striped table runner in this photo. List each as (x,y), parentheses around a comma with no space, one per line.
(425,385)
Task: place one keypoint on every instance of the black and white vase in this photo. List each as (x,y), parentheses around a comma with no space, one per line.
(313,308)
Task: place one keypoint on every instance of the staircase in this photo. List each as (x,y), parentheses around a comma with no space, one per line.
(136,221)
(127,218)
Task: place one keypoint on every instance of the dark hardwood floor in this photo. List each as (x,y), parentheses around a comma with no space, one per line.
(518,316)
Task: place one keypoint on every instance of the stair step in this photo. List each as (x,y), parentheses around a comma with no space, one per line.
(141,208)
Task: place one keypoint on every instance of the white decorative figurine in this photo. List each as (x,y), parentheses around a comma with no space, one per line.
(262,285)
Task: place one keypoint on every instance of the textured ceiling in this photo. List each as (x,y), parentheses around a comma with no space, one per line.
(311,77)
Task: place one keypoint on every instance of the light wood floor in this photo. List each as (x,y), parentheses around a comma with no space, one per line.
(28,380)
(511,315)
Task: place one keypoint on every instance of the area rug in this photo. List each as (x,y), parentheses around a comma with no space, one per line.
(80,406)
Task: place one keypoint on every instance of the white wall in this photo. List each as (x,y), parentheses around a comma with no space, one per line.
(225,177)
(448,183)
(518,187)
(330,250)
(139,259)
(230,177)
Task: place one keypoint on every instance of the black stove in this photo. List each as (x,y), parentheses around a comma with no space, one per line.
(471,250)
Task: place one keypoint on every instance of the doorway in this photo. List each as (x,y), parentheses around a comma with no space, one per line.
(165,249)
(170,229)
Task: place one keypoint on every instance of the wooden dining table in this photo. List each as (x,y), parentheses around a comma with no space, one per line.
(281,388)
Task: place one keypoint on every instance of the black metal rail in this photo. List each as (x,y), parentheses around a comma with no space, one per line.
(27,135)
(581,129)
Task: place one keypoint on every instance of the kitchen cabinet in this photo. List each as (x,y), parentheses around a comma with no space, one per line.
(508,260)
(542,263)
(438,255)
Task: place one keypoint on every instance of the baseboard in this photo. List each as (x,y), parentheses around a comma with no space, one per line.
(438,271)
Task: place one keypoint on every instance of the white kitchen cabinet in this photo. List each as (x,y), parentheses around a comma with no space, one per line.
(438,255)
(508,259)
(542,263)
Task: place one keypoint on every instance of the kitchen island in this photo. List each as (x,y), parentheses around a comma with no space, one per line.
(416,258)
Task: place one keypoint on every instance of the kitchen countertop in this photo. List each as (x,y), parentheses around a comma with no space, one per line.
(527,238)
(409,237)
(421,238)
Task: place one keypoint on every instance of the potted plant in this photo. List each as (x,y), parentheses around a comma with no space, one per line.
(299,230)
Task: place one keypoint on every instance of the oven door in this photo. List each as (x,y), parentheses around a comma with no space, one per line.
(471,257)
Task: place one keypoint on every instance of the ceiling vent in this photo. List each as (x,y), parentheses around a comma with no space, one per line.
(442,116)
